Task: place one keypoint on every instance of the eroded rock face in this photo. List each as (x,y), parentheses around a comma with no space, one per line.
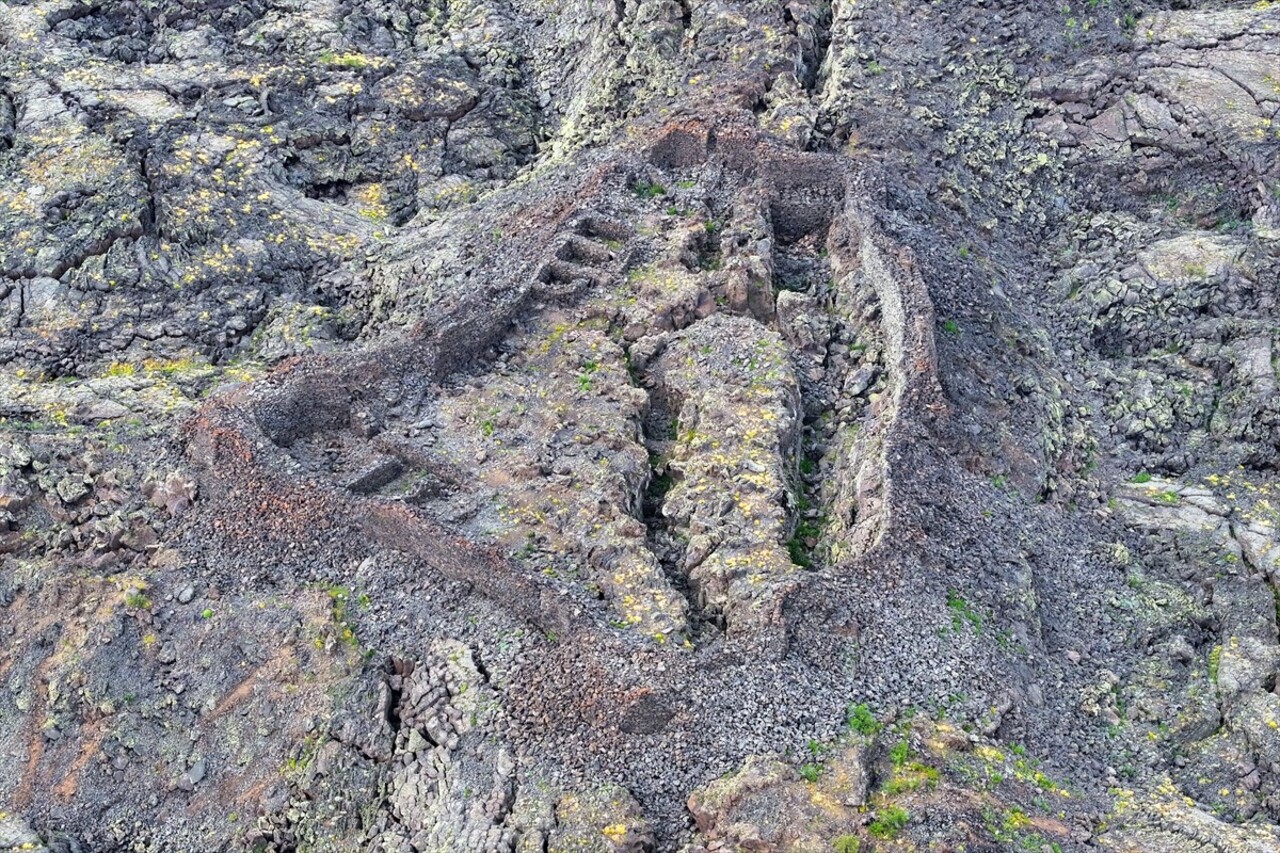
(522,426)
(911,783)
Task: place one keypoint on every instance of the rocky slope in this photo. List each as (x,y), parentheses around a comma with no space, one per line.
(660,425)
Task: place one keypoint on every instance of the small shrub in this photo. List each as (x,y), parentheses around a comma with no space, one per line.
(1044,781)
(798,552)
(644,189)
(660,485)
(339,597)
(862,721)
(899,753)
(889,822)
(811,772)
(961,613)
(847,844)
(913,777)
(806,531)
(899,786)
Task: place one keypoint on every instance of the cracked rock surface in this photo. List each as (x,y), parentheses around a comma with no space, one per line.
(660,425)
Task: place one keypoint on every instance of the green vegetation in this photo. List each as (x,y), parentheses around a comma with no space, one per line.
(137,600)
(951,327)
(813,769)
(1215,659)
(344,60)
(1005,640)
(1234,226)
(847,844)
(297,764)
(862,721)
(340,598)
(16,425)
(908,775)
(807,531)
(584,378)
(798,552)
(962,612)
(530,546)
(889,822)
(644,189)
(1012,827)
(1141,477)
(911,777)
(660,484)
(171,367)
